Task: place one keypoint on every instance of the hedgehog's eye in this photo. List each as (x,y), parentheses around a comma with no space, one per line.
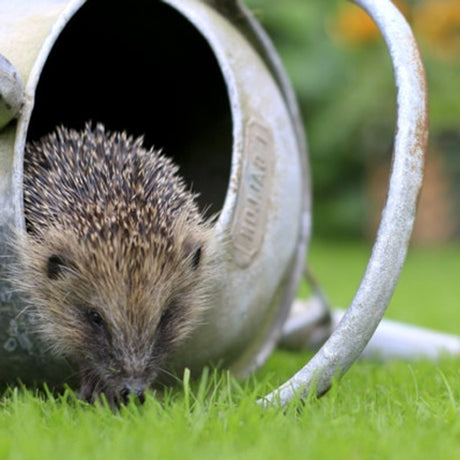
(168,315)
(94,318)
(167,325)
(193,251)
(196,258)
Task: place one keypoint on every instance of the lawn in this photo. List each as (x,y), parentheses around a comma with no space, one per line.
(378,410)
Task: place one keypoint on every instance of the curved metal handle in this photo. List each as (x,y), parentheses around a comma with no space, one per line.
(369,304)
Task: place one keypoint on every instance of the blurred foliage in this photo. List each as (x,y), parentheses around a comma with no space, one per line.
(342,75)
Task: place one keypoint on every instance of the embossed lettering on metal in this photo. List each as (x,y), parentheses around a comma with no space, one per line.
(251,213)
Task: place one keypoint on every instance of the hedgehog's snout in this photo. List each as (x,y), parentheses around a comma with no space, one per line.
(132,389)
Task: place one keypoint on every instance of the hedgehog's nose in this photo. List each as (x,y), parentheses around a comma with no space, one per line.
(132,390)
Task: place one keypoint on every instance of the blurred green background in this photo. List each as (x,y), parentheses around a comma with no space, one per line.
(342,74)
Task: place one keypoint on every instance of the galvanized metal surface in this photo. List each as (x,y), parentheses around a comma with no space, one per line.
(368,306)
(261,259)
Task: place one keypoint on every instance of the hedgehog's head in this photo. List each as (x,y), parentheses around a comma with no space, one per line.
(116,256)
(116,308)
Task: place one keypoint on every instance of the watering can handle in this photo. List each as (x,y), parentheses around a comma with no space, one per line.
(362,317)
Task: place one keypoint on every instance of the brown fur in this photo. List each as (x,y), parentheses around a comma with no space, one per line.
(115,258)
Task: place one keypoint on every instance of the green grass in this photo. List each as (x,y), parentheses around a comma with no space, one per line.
(378,410)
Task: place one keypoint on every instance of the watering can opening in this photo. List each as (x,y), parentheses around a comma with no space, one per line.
(150,73)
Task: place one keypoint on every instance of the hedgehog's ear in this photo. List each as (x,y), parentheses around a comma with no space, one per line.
(56,266)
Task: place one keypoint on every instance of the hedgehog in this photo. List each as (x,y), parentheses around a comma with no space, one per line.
(116,258)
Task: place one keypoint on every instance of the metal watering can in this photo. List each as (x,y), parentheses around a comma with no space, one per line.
(201,79)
